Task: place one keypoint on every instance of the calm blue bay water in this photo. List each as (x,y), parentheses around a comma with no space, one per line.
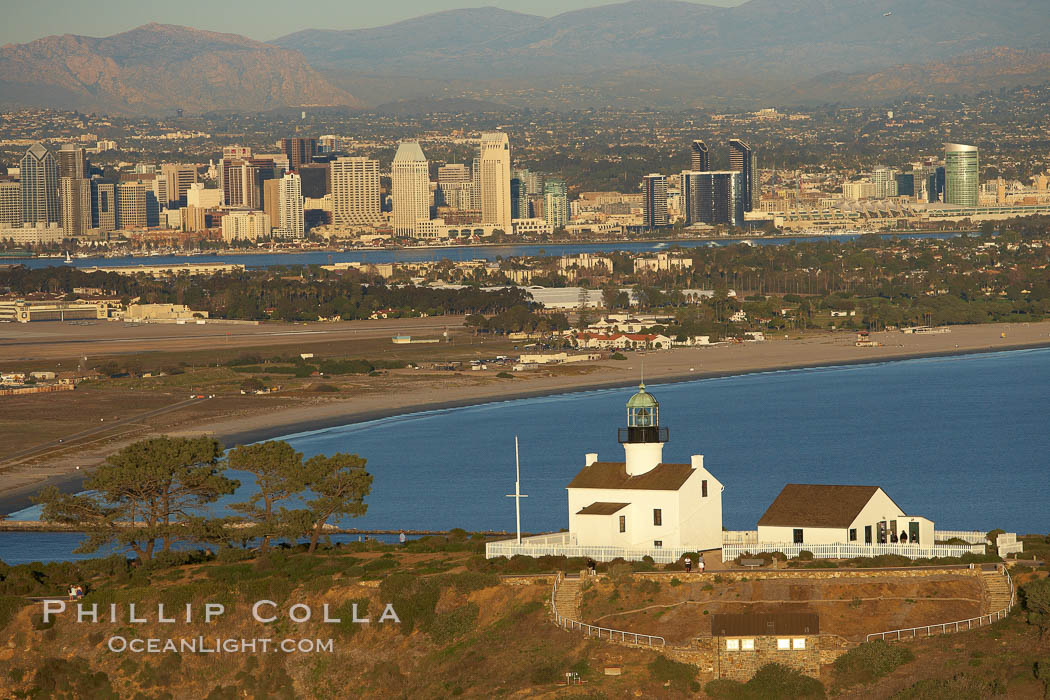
(421,254)
(962,440)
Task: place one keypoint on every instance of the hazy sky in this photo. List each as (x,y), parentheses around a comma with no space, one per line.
(25,20)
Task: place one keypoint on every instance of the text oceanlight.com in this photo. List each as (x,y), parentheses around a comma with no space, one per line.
(218,645)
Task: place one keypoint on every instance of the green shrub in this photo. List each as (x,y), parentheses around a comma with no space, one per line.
(73,679)
(413,598)
(9,607)
(1035,600)
(455,623)
(961,687)
(681,676)
(346,367)
(618,356)
(771,682)
(504,375)
(869,661)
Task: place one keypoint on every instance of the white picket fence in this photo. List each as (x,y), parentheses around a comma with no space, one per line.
(1007,543)
(971,536)
(732,537)
(848,551)
(529,548)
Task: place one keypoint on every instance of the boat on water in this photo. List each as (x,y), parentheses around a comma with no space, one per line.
(69,259)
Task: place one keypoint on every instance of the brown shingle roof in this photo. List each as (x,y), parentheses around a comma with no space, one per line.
(817,505)
(613,475)
(602,508)
(762,624)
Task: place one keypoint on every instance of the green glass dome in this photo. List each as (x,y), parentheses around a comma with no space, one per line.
(643,399)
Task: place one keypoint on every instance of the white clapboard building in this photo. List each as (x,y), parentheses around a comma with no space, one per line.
(644,503)
(818,514)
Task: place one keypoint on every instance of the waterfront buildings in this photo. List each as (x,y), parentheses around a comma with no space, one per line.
(654,201)
(178,178)
(104,205)
(410,188)
(10,204)
(245,225)
(39,174)
(75,198)
(290,223)
(131,205)
(960,174)
(355,191)
(495,180)
(742,160)
(713,197)
(556,204)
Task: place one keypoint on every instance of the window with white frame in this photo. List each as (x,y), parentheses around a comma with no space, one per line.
(747,644)
(798,643)
(732,645)
(783,644)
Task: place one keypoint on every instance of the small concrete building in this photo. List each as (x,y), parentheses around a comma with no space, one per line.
(644,502)
(827,514)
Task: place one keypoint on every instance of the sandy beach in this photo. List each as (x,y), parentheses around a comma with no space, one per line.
(462,389)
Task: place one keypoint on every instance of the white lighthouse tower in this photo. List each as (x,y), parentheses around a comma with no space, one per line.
(643,439)
(643,505)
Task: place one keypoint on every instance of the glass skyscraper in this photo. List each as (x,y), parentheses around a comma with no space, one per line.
(40,203)
(960,175)
(742,160)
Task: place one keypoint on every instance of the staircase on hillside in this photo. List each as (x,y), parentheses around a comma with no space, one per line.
(567,598)
(998,587)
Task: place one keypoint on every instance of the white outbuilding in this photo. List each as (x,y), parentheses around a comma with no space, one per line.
(829,514)
(644,503)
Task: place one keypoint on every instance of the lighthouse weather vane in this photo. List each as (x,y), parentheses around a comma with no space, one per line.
(517,495)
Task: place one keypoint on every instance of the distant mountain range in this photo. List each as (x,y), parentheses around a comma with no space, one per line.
(157,68)
(642,53)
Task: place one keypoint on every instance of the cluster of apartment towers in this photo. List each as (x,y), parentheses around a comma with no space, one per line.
(708,196)
(59,195)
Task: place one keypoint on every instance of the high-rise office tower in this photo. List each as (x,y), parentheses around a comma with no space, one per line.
(10,204)
(713,197)
(290,223)
(742,160)
(519,199)
(355,191)
(299,151)
(272,200)
(103,205)
(905,184)
(179,177)
(495,180)
(555,203)
(39,173)
(475,181)
(885,182)
(316,179)
(454,186)
(960,174)
(453,173)
(131,205)
(75,195)
(654,201)
(409,188)
(699,156)
(72,161)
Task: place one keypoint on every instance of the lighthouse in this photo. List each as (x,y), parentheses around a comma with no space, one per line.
(643,439)
(644,505)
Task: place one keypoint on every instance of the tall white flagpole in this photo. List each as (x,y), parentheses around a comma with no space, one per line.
(517,495)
